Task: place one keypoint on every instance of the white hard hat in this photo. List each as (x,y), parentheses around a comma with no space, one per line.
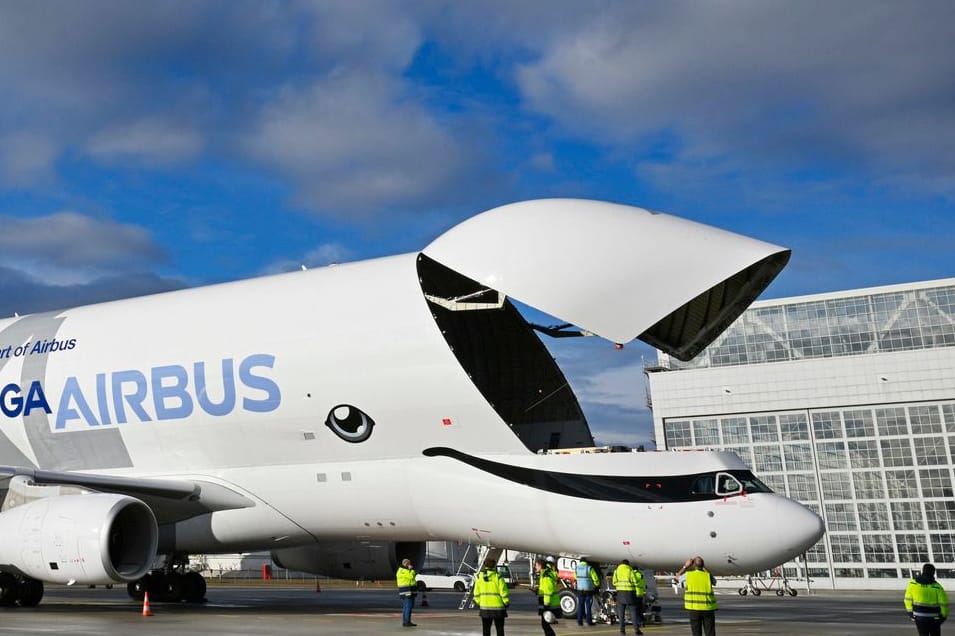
(550,559)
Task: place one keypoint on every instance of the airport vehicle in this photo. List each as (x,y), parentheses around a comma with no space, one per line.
(342,416)
(441,579)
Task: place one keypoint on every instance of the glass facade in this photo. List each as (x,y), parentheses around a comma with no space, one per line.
(876,464)
(885,512)
(872,323)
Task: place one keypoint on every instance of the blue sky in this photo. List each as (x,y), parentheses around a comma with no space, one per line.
(154,146)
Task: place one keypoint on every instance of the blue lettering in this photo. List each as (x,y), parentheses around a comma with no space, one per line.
(134,399)
(65,412)
(174,391)
(273,397)
(11,405)
(36,399)
(101,398)
(228,384)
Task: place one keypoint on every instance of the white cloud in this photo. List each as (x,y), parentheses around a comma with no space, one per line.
(319,256)
(26,158)
(353,141)
(766,84)
(152,140)
(67,248)
(623,387)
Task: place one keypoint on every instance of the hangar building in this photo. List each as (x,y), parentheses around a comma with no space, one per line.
(845,402)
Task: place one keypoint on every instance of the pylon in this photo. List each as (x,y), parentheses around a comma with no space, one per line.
(424,600)
(146,610)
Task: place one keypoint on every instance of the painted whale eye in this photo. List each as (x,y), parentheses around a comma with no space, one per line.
(350,423)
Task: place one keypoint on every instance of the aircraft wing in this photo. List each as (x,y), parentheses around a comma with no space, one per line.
(171,500)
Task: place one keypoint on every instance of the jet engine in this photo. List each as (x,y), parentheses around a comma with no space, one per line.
(91,538)
(351,559)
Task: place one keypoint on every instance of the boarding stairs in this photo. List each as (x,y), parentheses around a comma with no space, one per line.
(487,556)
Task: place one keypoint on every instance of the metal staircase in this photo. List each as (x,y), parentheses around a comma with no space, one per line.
(487,555)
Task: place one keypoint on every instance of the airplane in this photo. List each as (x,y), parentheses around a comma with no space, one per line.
(341,417)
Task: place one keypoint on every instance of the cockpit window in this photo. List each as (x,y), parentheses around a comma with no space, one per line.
(726,485)
(702,485)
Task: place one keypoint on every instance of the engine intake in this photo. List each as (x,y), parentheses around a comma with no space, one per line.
(90,538)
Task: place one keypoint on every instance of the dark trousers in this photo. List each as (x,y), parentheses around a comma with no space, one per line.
(548,630)
(702,622)
(928,626)
(498,621)
(622,615)
(407,603)
(585,603)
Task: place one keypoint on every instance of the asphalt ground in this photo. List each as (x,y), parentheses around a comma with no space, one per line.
(278,609)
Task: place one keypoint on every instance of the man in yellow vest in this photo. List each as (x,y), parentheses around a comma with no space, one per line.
(699,599)
(490,592)
(926,602)
(625,583)
(407,590)
(548,602)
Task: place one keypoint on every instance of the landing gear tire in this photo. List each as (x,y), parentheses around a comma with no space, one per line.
(137,589)
(756,592)
(568,602)
(780,592)
(193,587)
(793,592)
(30,593)
(168,587)
(742,591)
(9,589)
(19,591)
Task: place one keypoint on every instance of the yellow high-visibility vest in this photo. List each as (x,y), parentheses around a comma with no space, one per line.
(699,591)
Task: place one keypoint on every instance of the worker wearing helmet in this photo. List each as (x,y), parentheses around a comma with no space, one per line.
(548,602)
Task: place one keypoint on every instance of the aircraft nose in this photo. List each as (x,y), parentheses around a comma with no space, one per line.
(799,527)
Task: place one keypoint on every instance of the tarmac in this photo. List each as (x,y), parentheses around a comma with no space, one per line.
(282,609)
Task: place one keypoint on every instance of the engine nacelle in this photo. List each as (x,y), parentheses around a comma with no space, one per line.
(351,559)
(92,538)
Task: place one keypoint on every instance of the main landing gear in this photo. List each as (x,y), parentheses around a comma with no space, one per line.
(170,584)
(19,591)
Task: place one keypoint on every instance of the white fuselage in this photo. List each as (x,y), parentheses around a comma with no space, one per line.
(233,384)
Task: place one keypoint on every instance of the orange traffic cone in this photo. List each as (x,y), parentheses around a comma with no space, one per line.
(146,610)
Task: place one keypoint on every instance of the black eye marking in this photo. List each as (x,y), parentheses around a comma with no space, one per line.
(350,423)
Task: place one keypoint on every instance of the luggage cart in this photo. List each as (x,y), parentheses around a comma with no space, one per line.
(775,580)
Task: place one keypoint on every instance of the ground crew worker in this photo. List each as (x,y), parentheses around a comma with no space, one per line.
(640,591)
(407,590)
(699,599)
(490,592)
(926,602)
(547,598)
(625,583)
(588,582)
